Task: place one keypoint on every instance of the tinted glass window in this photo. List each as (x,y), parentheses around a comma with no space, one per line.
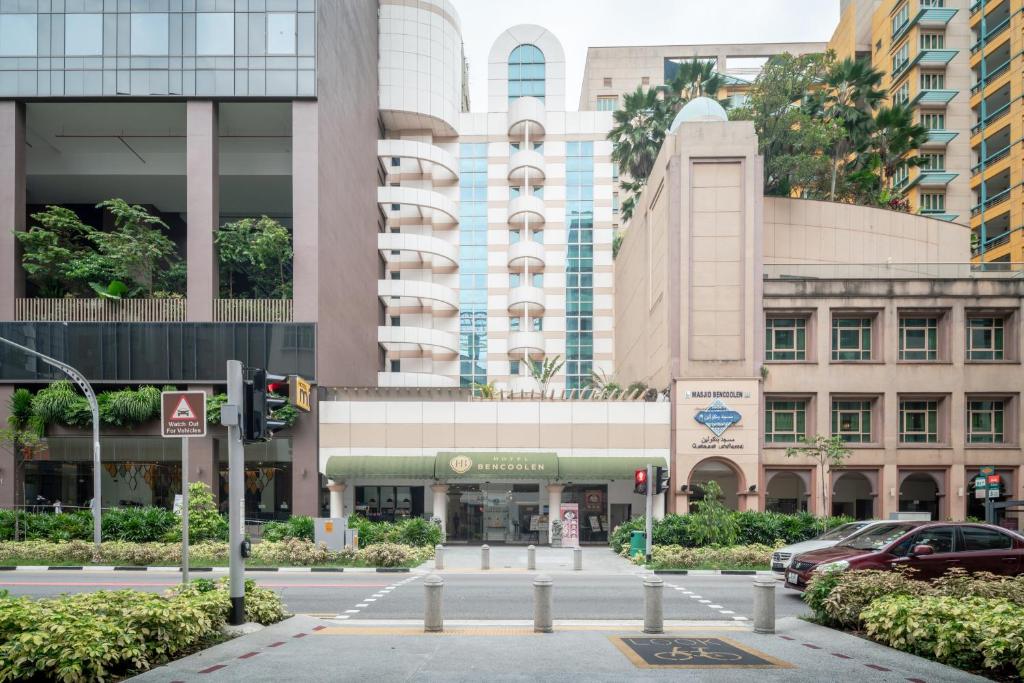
(280,33)
(83,34)
(877,537)
(149,33)
(215,33)
(940,539)
(980,538)
(18,35)
(841,532)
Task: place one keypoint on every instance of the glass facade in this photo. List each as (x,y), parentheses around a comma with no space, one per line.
(526,73)
(579,263)
(473,263)
(488,513)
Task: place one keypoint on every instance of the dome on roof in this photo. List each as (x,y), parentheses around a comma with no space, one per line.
(699,109)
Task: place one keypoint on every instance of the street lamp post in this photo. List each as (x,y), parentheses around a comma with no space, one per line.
(90,396)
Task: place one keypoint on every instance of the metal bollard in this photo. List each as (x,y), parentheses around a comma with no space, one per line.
(764,605)
(433,622)
(654,615)
(531,557)
(577,559)
(485,557)
(438,556)
(542,622)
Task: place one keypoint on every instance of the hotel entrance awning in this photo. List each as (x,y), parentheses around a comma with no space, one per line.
(341,467)
(594,468)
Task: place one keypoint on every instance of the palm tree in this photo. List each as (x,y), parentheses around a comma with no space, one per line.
(895,135)
(544,370)
(695,78)
(639,130)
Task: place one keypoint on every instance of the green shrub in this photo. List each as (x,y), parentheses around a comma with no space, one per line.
(732,557)
(712,523)
(139,525)
(296,526)
(969,633)
(418,532)
(289,552)
(842,596)
(957,583)
(672,530)
(619,538)
(205,523)
(393,555)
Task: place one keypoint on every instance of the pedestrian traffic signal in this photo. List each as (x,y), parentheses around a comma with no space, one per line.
(660,480)
(640,481)
(258,422)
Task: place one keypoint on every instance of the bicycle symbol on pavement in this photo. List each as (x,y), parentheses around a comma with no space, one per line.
(681,653)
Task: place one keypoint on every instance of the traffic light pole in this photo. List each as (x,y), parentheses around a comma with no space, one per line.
(236,488)
(651,484)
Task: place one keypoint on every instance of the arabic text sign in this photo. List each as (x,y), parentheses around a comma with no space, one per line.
(718,417)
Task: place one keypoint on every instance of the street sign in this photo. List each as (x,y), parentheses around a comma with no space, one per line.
(987,470)
(979,487)
(298,393)
(182,413)
(993,493)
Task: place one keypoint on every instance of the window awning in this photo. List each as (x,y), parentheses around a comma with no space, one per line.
(455,465)
(586,468)
(369,466)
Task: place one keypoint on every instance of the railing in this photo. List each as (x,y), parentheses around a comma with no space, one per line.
(100,310)
(997,241)
(997,114)
(991,33)
(991,75)
(891,271)
(995,199)
(993,158)
(253,310)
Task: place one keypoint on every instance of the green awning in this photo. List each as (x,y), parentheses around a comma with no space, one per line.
(376,466)
(456,465)
(587,468)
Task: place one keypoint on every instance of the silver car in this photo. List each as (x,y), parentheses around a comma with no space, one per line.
(782,557)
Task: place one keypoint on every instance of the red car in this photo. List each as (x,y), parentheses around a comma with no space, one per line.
(930,548)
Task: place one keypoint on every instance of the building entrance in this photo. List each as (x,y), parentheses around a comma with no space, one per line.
(494,513)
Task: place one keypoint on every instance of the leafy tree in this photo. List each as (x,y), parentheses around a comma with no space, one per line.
(53,252)
(205,523)
(484,390)
(829,452)
(637,136)
(137,249)
(255,257)
(894,135)
(710,522)
(694,78)
(22,436)
(545,370)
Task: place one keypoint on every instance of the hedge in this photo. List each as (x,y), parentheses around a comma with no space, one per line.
(416,532)
(752,528)
(732,557)
(111,634)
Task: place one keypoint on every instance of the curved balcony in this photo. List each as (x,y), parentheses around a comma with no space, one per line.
(526,161)
(526,345)
(418,342)
(526,207)
(523,112)
(413,296)
(519,298)
(418,251)
(428,205)
(419,157)
(415,379)
(526,254)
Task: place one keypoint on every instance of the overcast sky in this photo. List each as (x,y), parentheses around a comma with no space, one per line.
(580,24)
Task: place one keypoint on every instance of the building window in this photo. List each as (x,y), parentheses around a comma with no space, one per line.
(537,279)
(902,95)
(932,81)
(785,339)
(18,35)
(537,236)
(934,121)
(607,82)
(280,33)
(933,41)
(901,58)
(526,73)
(607,103)
(538,324)
(396,162)
(985,421)
(473,263)
(901,176)
(851,338)
(215,33)
(396,321)
(513,368)
(83,34)
(851,421)
(514,280)
(919,338)
(985,338)
(514,237)
(933,202)
(900,18)
(515,324)
(615,172)
(933,3)
(514,192)
(933,162)
(396,366)
(149,33)
(785,421)
(615,202)
(919,421)
(579,263)
(538,147)
(646,80)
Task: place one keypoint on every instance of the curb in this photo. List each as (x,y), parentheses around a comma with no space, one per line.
(296,570)
(714,572)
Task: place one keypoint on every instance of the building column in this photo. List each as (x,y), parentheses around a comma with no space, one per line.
(440,510)
(305,210)
(889,491)
(337,490)
(9,483)
(306,461)
(12,205)
(203,207)
(554,505)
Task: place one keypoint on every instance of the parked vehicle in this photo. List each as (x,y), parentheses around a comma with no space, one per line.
(929,548)
(782,557)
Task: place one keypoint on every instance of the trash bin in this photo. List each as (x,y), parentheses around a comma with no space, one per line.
(637,543)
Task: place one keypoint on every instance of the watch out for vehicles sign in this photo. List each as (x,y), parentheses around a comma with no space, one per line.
(183,413)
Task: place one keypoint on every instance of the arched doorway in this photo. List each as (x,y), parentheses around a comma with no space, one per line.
(975,507)
(919,492)
(721,473)
(852,496)
(785,492)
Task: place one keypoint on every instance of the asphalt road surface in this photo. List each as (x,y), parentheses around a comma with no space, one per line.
(467,595)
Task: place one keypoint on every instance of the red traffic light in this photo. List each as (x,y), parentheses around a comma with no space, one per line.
(640,476)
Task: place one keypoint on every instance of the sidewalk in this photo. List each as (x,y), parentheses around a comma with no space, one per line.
(512,558)
(324,650)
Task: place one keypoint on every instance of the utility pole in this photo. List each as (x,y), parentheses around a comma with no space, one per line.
(650,511)
(79,379)
(231,417)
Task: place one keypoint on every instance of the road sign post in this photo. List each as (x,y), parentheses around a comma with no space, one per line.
(183,415)
(649,527)
(231,417)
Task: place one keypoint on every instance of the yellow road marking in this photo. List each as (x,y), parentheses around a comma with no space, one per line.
(499,631)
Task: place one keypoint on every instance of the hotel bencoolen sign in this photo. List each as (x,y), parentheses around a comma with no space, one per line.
(499,465)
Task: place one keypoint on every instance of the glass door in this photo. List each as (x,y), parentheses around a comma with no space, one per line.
(465,521)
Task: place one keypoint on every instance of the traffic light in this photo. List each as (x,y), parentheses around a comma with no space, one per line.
(260,403)
(640,481)
(660,480)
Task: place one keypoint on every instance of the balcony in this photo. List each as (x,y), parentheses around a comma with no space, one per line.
(526,345)
(935,17)
(415,379)
(933,98)
(926,179)
(526,165)
(420,158)
(418,342)
(939,138)
(526,297)
(417,251)
(427,205)
(992,32)
(992,201)
(526,254)
(526,113)
(414,296)
(992,118)
(526,210)
(253,310)
(100,310)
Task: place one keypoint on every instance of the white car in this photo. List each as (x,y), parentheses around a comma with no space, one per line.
(782,557)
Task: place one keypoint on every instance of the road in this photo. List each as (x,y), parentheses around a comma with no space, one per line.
(467,594)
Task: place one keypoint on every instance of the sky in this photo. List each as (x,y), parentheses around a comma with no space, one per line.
(579,24)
